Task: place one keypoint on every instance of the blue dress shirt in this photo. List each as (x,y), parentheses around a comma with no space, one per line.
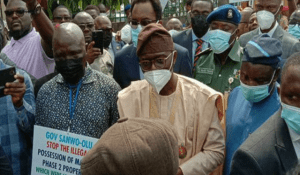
(195,45)
(243,118)
(16,127)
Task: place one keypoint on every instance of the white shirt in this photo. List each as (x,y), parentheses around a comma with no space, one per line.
(296,142)
(271,32)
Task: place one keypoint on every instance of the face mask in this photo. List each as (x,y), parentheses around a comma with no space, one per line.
(159,78)
(256,94)
(294,30)
(103,14)
(199,25)
(265,19)
(173,32)
(219,40)
(107,39)
(126,34)
(291,115)
(72,70)
(135,34)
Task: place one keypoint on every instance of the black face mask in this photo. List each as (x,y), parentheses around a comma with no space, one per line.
(71,69)
(199,25)
(107,39)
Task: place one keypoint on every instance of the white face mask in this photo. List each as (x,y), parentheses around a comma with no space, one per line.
(126,34)
(103,14)
(265,19)
(159,78)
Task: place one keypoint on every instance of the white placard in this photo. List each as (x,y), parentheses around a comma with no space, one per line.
(57,152)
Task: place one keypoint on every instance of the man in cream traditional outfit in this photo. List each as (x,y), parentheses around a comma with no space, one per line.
(190,106)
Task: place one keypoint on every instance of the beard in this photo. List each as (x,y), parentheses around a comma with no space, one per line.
(18,34)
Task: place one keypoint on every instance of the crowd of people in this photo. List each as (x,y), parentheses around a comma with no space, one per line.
(218,96)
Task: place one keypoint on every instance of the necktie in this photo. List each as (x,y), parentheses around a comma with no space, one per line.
(198,50)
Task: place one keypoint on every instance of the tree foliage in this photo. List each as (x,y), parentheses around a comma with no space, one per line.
(78,5)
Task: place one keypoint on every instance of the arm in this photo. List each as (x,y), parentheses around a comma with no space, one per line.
(44,26)
(212,153)
(114,106)
(243,163)
(21,92)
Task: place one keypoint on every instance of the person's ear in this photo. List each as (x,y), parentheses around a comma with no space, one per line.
(276,76)
(174,58)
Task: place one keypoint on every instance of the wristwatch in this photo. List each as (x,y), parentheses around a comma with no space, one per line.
(37,10)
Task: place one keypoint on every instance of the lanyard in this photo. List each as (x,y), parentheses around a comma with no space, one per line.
(73,106)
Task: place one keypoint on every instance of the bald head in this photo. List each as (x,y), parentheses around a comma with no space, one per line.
(295,17)
(102,22)
(246,13)
(81,16)
(86,23)
(174,23)
(102,8)
(67,34)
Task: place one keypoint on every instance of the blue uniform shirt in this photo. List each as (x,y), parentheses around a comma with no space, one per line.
(243,118)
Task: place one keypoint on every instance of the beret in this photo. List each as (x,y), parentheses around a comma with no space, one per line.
(156,38)
(262,49)
(134,146)
(226,13)
(127,7)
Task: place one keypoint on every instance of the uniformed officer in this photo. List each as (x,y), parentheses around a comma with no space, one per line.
(218,67)
(256,99)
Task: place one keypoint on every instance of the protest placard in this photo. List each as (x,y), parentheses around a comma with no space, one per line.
(58,152)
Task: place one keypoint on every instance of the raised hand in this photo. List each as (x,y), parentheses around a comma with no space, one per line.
(92,53)
(17,90)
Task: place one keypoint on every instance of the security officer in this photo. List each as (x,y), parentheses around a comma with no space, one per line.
(218,66)
(256,99)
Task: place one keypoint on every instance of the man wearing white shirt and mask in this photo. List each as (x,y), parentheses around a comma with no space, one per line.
(267,13)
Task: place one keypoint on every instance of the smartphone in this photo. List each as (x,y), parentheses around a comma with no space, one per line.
(6,76)
(98,38)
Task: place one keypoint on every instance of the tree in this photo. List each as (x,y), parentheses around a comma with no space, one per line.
(78,5)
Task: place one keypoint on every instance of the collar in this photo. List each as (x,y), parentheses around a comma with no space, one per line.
(236,52)
(203,38)
(24,38)
(271,32)
(294,136)
(2,65)
(88,77)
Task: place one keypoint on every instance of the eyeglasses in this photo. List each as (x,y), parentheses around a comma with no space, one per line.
(58,18)
(19,12)
(89,26)
(159,63)
(134,24)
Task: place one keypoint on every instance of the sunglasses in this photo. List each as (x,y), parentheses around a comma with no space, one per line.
(19,12)
(134,24)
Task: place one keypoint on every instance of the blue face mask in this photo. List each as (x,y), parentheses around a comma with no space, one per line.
(294,30)
(135,34)
(219,40)
(173,32)
(256,94)
(291,115)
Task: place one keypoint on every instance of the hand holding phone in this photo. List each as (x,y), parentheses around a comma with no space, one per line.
(6,76)
(98,39)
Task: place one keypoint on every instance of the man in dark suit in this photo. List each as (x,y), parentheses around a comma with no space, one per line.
(272,8)
(274,148)
(126,67)
(188,38)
